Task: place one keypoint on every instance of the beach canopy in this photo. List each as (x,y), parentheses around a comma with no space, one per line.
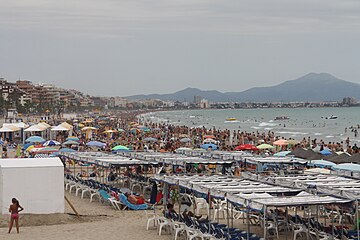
(9,128)
(321,163)
(95,144)
(265,146)
(347,166)
(35,128)
(60,128)
(35,139)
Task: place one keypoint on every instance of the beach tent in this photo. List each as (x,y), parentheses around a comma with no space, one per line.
(38,184)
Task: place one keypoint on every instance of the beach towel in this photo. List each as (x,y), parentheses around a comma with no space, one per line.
(131,206)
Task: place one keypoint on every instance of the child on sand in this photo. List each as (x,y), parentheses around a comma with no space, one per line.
(14,210)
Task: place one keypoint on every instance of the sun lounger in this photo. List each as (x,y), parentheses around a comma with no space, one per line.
(131,206)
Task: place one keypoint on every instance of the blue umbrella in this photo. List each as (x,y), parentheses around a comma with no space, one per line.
(348,167)
(95,144)
(26,145)
(209,145)
(72,139)
(282,154)
(185,140)
(35,139)
(67,150)
(51,143)
(325,152)
(150,139)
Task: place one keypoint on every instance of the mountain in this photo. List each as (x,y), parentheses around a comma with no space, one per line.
(311,87)
(186,95)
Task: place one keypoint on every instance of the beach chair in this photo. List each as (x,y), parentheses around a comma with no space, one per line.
(124,200)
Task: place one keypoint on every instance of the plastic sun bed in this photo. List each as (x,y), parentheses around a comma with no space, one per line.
(131,206)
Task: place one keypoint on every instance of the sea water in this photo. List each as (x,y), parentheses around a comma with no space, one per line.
(302,122)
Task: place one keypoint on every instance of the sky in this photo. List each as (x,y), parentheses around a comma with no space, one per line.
(127,47)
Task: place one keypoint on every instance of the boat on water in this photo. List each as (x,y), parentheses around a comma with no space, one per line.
(230,119)
(331,117)
(279,118)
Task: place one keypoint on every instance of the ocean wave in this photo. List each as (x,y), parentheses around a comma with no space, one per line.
(254,127)
(293,133)
(267,124)
(235,121)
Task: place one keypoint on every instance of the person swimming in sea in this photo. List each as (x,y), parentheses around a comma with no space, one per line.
(14,210)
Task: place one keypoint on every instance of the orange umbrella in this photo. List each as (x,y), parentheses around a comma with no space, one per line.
(280,142)
(210,136)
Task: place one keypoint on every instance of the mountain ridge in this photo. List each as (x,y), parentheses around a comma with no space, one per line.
(310,87)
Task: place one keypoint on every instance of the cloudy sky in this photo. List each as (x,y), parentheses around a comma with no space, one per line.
(125,47)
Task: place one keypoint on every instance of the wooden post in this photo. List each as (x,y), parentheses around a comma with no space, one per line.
(72,206)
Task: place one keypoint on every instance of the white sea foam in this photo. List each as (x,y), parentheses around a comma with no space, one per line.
(267,124)
(253,127)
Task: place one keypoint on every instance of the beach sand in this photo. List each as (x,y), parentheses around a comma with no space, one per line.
(98,222)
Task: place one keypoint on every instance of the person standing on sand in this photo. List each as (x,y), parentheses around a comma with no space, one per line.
(14,210)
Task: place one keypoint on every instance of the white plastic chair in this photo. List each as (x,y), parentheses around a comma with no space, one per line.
(150,216)
(201,203)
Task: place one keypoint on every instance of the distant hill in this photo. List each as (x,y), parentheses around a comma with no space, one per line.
(311,87)
(187,95)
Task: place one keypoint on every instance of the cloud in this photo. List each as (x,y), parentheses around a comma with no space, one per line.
(121,17)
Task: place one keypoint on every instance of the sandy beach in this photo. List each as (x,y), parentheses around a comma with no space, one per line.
(97,222)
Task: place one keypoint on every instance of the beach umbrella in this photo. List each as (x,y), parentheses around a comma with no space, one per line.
(35,139)
(72,138)
(292,142)
(88,128)
(157,129)
(209,145)
(70,142)
(66,150)
(95,144)
(183,149)
(110,131)
(248,147)
(321,163)
(28,149)
(347,166)
(185,140)
(43,150)
(26,145)
(282,154)
(51,143)
(210,136)
(265,146)
(150,139)
(325,152)
(120,148)
(280,142)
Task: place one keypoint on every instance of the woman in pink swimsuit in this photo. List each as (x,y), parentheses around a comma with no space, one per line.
(14,210)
